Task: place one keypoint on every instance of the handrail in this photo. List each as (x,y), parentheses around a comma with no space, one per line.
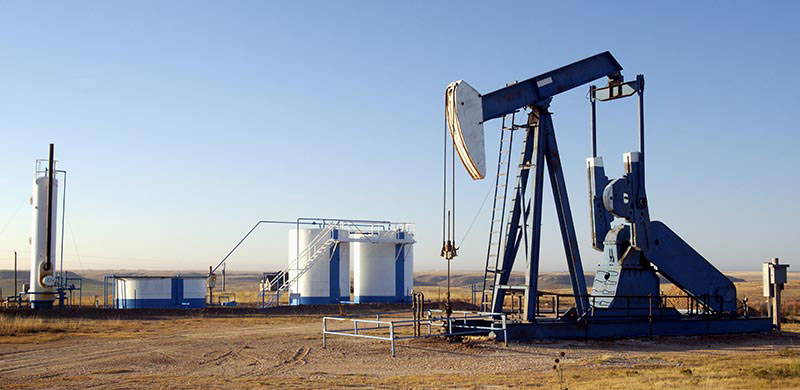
(307,265)
(452,326)
(324,222)
(327,225)
(300,272)
(694,304)
(356,223)
(318,246)
(314,242)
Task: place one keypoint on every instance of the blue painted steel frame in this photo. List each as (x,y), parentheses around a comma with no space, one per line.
(540,146)
(544,86)
(676,260)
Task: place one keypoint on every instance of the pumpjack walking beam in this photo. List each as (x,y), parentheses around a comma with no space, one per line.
(468,110)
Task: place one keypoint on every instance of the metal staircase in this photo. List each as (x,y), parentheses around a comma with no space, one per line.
(496,230)
(319,246)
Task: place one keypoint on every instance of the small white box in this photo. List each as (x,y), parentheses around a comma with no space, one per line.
(211,281)
(766,272)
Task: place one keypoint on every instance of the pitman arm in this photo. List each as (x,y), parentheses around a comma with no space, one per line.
(625,198)
(601,218)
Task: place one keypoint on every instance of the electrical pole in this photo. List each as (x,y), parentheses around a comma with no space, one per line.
(211,282)
(15,273)
(49,236)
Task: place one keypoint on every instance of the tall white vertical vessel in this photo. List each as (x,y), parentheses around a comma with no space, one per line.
(383,264)
(328,279)
(42,283)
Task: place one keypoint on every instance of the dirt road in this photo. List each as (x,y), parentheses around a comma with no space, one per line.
(256,351)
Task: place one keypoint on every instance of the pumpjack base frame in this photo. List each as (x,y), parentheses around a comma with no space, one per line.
(565,329)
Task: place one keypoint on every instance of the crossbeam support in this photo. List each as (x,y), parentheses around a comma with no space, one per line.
(541,149)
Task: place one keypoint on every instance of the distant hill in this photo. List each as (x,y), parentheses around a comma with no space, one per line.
(547,281)
(91,285)
(93,279)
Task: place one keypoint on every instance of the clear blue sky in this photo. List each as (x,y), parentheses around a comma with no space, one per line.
(182,123)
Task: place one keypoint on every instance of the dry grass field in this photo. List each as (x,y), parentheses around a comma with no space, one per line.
(211,350)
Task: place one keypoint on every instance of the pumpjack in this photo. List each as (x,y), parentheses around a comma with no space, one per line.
(625,298)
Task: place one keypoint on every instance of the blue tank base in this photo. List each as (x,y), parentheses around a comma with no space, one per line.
(41,304)
(552,329)
(380,299)
(189,303)
(294,301)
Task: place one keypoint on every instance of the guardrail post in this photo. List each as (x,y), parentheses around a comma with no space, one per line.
(450,325)
(324,334)
(472,290)
(391,335)
(505,330)
(355,327)
(556,308)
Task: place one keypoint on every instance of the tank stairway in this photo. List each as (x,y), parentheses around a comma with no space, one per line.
(496,231)
(315,250)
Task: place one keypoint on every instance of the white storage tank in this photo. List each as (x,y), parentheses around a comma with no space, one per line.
(42,281)
(328,279)
(160,292)
(383,266)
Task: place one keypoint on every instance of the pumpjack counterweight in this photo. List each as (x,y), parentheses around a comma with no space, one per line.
(625,298)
